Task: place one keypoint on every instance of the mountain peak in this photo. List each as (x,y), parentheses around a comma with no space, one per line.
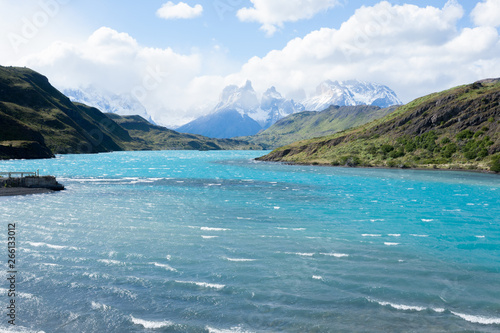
(350,93)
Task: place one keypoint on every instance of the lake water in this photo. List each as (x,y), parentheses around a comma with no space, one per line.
(188,241)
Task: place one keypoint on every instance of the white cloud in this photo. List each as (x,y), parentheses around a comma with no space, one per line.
(414,50)
(273,13)
(181,10)
(115,62)
(487,13)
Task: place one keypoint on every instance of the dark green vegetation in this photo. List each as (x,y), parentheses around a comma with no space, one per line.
(36,120)
(454,129)
(311,124)
(151,137)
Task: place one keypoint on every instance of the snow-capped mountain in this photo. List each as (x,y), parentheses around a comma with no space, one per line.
(239,113)
(108,103)
(350,93)
(277,107)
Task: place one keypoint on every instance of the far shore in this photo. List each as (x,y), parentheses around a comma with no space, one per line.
(13,191)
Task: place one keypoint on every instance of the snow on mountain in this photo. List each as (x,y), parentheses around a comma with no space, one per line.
(277,107)
(109,103)
(350,93)
(239,112)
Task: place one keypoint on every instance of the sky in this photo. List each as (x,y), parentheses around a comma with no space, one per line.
(176,57)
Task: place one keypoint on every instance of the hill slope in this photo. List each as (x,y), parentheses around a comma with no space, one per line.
(311,124)
(37,120)
(454,129)
(151,137)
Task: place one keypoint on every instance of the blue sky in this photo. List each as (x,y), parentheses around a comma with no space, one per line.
(177,67)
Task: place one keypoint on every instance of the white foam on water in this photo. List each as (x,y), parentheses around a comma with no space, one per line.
(99,306)
(51,246)
(371,235)
(244,218)
(235,329)
(298,229)
(478,319)
(336,255)
(281,228)
(400,306)
(213,229)
(480,236)
(167,267)
(168,257)
(317,277)
(422,236)
(209,237)
(151,324)
(203,284)
(391,244)
(239,260)
(377,220)
(111,262)
(395,235)
(276,207)
(302,254)
(427,220)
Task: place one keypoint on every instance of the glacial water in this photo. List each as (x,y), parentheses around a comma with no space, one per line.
(188,241)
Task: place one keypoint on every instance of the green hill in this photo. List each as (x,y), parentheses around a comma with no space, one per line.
(151,137)
(309,124)
(453,129)
(37,121)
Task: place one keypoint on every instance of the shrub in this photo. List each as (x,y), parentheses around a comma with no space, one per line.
(449,150)
(495,164)
(445,141)
(386,148)
(465,134)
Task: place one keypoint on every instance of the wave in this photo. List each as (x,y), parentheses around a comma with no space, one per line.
(336,255)
(470,318)
(99,306)
(317,277)
(235,329)
(371,235)
(391,244)
(427,220)
(239,260)
(395,235)
(478,319)
(213,229)
(423,236)
(111,262)
(204,284)
(50,246)
(151,324)
(303,254)
(167,267)
(209,237)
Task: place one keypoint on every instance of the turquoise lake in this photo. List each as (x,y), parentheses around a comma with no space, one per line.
(189,241)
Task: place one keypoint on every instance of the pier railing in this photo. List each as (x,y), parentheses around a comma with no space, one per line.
(22,174)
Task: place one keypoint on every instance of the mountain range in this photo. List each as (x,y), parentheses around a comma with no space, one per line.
(39,121)
(240,113)
(107,102)
(455,129)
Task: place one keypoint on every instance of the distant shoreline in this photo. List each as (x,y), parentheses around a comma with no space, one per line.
(15,191)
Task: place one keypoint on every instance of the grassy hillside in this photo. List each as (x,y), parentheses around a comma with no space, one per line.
(36,121)
(32,101)
(151,137)
(308,124)
(453,129)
